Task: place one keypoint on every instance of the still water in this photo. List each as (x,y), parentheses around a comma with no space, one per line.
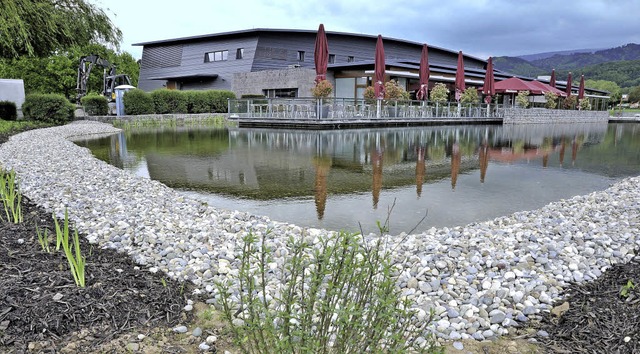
(348,179)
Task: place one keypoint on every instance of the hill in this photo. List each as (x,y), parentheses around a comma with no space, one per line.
(536,56)
(620,64)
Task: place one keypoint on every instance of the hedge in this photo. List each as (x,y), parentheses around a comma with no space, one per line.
(95,105)
(8,110)
(198,102)
(137,102)
(48,108)
(169,101)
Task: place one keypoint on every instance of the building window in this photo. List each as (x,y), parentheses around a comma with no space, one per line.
(220,55)
(239,53)
(350,59)
(277,93)
(301,55)
(332,58)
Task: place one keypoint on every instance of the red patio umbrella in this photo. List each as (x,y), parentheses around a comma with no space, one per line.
(581,89)
(424,74)
(552,81)
(489,82)
(321,54)
(460,77)
(379,69)
(568,89)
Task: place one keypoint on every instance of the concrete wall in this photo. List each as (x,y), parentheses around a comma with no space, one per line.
(13,90)
(543,115)
(255,82)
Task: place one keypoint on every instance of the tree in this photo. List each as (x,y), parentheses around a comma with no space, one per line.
(634,95)
(614,90)
(522,99)
(58,73)
(469,96)
(42,27)
(439,93)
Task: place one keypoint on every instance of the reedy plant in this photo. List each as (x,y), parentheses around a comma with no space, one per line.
(10,196)
(72,251)
(337,295)
(43,239)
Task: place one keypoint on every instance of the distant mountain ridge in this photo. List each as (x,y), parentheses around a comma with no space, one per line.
(626,59)
(536,56)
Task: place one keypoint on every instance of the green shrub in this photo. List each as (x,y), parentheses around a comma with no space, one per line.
(337,295)
(439,93)
(48,108)
(137,102)
(169,101)
(220,100)
(8,110)
(198,102)
(95,105)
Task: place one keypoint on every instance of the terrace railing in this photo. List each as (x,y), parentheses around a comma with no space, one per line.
(355,109)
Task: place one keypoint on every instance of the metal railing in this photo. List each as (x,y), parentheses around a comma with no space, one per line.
(354,109)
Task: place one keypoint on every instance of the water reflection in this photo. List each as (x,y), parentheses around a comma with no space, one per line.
(289,173)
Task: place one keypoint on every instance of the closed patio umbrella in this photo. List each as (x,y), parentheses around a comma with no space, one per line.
(460,87)
(379,74)
(552,81)
(568,89)
(581,89)
(424,74)
(321,54)
(489,82)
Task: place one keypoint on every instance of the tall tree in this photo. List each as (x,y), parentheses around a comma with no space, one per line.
(42,27)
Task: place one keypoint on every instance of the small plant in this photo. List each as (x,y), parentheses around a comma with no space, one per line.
(322,89)
(570,102)
(584,104)
(626,289)
(10,196)
(439,93)
(469,96)
(393,91)
(522,99)
(336,295)
(43,239)
(551,100)
(72,251)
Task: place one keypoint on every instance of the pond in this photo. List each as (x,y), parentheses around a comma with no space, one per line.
(418,177)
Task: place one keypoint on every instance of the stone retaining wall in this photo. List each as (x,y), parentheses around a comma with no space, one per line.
(179,117)
(543,115)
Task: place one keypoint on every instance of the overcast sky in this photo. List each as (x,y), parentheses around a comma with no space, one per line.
(481,28)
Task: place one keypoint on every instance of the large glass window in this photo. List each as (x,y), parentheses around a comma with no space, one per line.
(345,87)
(283,92)
(220,55)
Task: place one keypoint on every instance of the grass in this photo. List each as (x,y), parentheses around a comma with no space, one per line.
(43,239)
(11,127)
(10,196)
(337,295)
(72,251)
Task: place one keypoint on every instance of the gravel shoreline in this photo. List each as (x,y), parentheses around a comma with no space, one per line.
(483,280)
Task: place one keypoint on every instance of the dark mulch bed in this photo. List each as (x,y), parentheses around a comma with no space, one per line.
(39,301)
(598,318)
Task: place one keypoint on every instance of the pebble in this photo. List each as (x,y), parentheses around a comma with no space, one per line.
(458,345)
(197,332)
(502,270)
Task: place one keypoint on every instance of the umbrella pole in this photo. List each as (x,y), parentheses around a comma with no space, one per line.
(378,108)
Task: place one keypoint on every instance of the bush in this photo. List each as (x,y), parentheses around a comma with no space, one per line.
(337,295)
(198,102)
(522,99)
(95,105)
(169,101)
(8,110)
(551,100)
(469,96)
(48,108)
(137,102)
(439,93)
(220,100)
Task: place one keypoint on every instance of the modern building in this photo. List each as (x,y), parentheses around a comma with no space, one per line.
(280,63)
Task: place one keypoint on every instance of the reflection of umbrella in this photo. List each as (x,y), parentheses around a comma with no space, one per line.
(379,69)
(489,82)
(562,147)
(581,89)
(321,54)
(460,77)
(455,164)
(424,74)
(574,151)
(552,81)
(420,170)
(569,85)
(483,156)
(376,164)
(323,166)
